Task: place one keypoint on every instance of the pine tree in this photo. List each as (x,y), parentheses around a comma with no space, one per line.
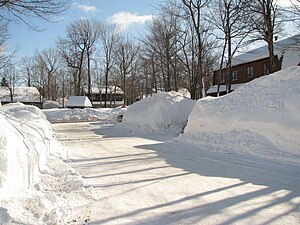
(4,82)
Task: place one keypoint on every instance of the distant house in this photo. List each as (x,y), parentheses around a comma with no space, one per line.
(114,96)
(255,63)
(26,95)
(78,102)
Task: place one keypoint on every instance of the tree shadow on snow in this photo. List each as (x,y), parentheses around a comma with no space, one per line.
(272,176)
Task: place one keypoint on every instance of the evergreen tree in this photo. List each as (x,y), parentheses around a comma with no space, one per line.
(4,82)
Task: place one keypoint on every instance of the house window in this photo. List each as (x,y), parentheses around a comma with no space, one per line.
(234,75)
(249,71)
(266,69)
(222,78)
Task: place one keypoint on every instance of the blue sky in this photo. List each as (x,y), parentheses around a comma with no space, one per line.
(127,14)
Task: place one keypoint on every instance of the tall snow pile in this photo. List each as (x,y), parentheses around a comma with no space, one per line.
(162,112)
(36,187)
(261,118)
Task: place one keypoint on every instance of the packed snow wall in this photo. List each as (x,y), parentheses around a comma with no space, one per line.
(162,112)
(24,146)
(262,115)
(36,186)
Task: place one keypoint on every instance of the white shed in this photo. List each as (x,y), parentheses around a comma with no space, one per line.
(78,102)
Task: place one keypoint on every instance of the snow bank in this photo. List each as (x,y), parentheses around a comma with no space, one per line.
(36,187)
(163,112)
(21,173)
(185,92)
(76,115)
(115,113)
(260,118)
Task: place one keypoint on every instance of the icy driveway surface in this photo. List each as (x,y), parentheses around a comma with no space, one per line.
(147,181)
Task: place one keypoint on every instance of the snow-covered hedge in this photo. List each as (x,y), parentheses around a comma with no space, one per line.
(162,112)
(76,115)
(261,117)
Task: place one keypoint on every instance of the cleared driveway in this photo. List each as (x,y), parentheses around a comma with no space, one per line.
(142,180)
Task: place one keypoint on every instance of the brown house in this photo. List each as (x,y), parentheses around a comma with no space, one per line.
(114,96)
(255,63)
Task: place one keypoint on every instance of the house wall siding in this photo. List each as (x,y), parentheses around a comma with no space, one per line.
(258,71)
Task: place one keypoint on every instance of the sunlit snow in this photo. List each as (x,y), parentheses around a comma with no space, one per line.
(234,159)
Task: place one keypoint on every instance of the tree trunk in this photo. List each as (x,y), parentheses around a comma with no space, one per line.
(89,76)
(106,87)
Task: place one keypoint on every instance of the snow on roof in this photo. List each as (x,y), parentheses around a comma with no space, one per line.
(281,47)
(110,90)
(79,101)
(21,94)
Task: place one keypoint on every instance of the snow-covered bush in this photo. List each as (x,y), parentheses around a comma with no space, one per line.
(76,115)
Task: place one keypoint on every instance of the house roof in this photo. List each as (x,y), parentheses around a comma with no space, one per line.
(21,94)
(281,47)
(110,90)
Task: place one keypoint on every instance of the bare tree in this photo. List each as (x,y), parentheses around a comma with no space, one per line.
(23,10)
(38,74)
(229,18)
(3,36)
(149,75)
(194,11)
(10,78)
(160,43)
(73,55)
(26,66)
(266,22)
(293,12)
(5,56)
(109,37)
(162,49)
(73,49)
(126,54)
(92,30)
(85,33)
(49,60)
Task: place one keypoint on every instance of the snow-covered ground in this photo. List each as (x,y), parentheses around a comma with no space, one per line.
(237,162)
(154,180)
